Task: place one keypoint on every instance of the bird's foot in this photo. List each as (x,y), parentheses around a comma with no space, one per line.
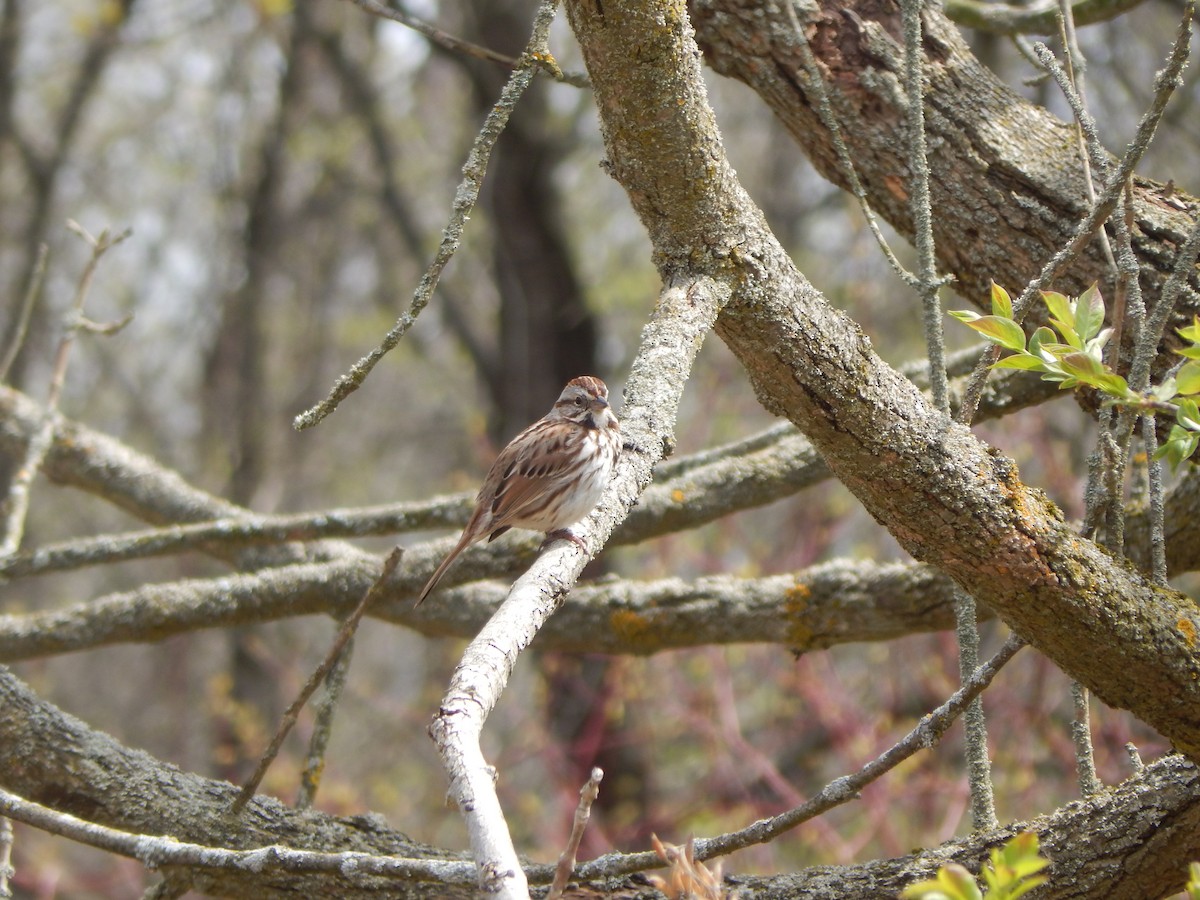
(564,534)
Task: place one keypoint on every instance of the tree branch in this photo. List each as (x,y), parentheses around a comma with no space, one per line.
(946,497)
(669,345)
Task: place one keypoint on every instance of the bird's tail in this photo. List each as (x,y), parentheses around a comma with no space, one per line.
(466,540)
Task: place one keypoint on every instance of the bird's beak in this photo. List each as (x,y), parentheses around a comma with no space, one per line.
(599,403)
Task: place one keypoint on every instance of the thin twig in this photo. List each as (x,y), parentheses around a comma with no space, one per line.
(978,763)
(456,44)
(32,291)
(583,812)
(1106,478)
(158,852)
(1081,735)
(535,57)
(1089,144)
(345,633)
(6,868)
(1156,321)
(829,119)
(434,34)
(927,283)
(1034,18)
(323,712)
(441,512)
(1157,504)
(39,443)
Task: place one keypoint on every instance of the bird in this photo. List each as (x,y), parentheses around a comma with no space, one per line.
(549,476)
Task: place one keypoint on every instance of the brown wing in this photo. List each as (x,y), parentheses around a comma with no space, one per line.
(526,475)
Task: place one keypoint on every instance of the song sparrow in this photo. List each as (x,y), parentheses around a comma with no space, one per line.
(550,475)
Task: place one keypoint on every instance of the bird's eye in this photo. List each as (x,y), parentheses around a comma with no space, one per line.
(579,401)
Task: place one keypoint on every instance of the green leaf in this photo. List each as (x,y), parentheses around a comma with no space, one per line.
(1052,351)
(1191,332)
(1116,386)
(1187,380)
(1001,302)
(1188,416)
(1179,446)
(1005,332)
(1013,870)
(1042,336)
(1090,371)
(1062,317)
(953,882)
(1192,352)
(1193,885)
(1082,366)
(959,880)
(965,315)
(1089,313)
(1020,361)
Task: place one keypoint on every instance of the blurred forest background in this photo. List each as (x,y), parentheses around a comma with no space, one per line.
(286,172)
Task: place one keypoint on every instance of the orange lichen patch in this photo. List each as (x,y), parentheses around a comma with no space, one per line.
(1187,628)
(798,595)
(638,632)
(795,605)
(678,496)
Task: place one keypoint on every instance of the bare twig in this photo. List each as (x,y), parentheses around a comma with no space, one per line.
(323,711)
(1081,735)
(363,99)
(6,846)
(816,83)
(1035,18)
(159,852)
(1157,507)
(32,291)
(456,44)
(927,283)
(583,812)
(1156,322)
(435,34)
(440,512)
(1106,478)
(345,633)
(39,444)
(536,56)
(1070,78)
